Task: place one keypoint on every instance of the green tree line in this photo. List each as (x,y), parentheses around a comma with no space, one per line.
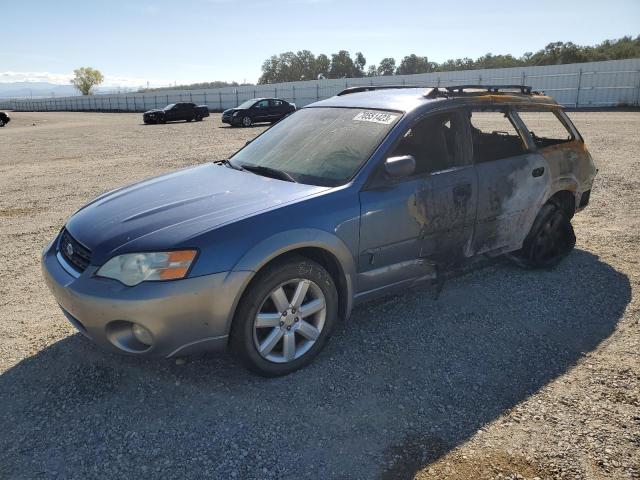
(304,65)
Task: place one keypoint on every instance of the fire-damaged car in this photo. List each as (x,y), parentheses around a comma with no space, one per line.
(365,193)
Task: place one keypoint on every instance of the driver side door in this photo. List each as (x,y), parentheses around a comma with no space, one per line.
(411,226)
(261,111)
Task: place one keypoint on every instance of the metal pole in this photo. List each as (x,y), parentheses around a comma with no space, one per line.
(523,77)
(220,99)
(578,89)
(317,91)
(638,91)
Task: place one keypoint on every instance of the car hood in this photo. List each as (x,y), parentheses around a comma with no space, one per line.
(166,211)
(231,110)
(155,110)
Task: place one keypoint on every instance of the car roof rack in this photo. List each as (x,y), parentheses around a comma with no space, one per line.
(370,88)
(525,89)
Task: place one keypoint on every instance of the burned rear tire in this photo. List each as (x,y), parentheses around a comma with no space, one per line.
(550,240)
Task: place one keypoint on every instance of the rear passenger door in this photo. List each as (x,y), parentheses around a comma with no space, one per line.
(512,180)
(411,225)
(278,109)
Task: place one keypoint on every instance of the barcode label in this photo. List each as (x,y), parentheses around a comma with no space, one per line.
(375,117)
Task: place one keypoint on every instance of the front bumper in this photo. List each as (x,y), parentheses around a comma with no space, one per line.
(230,119)
(184,316)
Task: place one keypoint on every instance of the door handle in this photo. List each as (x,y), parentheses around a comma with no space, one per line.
(537,172)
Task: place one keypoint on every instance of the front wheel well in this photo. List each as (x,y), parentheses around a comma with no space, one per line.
(328,261)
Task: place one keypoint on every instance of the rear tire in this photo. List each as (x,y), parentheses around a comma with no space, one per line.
(285,317)
(550,240)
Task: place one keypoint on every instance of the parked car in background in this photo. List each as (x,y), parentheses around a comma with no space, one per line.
(258,110)
(360,195)
(176,111)
(4,119)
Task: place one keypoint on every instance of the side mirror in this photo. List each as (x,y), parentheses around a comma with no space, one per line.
(398,167)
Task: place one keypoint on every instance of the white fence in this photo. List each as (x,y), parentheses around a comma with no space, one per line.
(578,85)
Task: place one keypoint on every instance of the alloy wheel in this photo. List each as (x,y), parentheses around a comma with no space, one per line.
(289,320)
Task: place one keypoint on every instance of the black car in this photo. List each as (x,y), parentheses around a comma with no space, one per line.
(258,110)
(176,111)
(4,119)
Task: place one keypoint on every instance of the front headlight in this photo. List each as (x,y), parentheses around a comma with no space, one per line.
(134,268)
(235,114)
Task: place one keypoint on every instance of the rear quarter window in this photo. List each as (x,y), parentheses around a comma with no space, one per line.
(545,127)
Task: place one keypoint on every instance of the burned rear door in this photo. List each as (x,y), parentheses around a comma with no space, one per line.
(409,226)
(512,180)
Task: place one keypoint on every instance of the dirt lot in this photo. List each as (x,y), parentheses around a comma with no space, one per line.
(509,374)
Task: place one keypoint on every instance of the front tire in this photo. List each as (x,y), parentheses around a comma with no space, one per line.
(247,122)
(285,318)
(550,240)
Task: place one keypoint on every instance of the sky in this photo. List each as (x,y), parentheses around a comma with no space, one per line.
(164,42)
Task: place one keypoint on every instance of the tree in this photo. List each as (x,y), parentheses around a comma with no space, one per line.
(387,66)
(372,71)
(323,64)
(86,78)
(360,62)
(412,64)
(342,65)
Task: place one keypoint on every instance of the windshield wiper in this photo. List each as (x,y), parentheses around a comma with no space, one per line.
(228,163)
(269,172)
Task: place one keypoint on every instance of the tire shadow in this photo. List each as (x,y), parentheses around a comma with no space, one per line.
(404,381)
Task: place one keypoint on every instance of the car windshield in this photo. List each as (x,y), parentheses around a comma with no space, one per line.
(247,104)
(319,146)
(170,106)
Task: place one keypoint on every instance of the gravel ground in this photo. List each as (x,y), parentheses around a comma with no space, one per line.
(508,374)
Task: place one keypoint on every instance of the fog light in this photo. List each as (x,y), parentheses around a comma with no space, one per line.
(142,334)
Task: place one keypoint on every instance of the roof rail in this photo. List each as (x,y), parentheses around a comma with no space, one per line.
(370,88)
(526,89)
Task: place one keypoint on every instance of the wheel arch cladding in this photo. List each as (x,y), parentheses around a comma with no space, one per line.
(319,246)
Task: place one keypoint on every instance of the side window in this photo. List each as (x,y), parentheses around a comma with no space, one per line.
(545,127)
(276,103)
(437,142)
(262,104)
(494,136)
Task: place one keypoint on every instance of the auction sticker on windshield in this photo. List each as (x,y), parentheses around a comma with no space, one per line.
(375,117)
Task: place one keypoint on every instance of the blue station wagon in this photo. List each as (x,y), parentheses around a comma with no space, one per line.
(365,193)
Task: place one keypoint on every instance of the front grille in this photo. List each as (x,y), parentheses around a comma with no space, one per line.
(73,252)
